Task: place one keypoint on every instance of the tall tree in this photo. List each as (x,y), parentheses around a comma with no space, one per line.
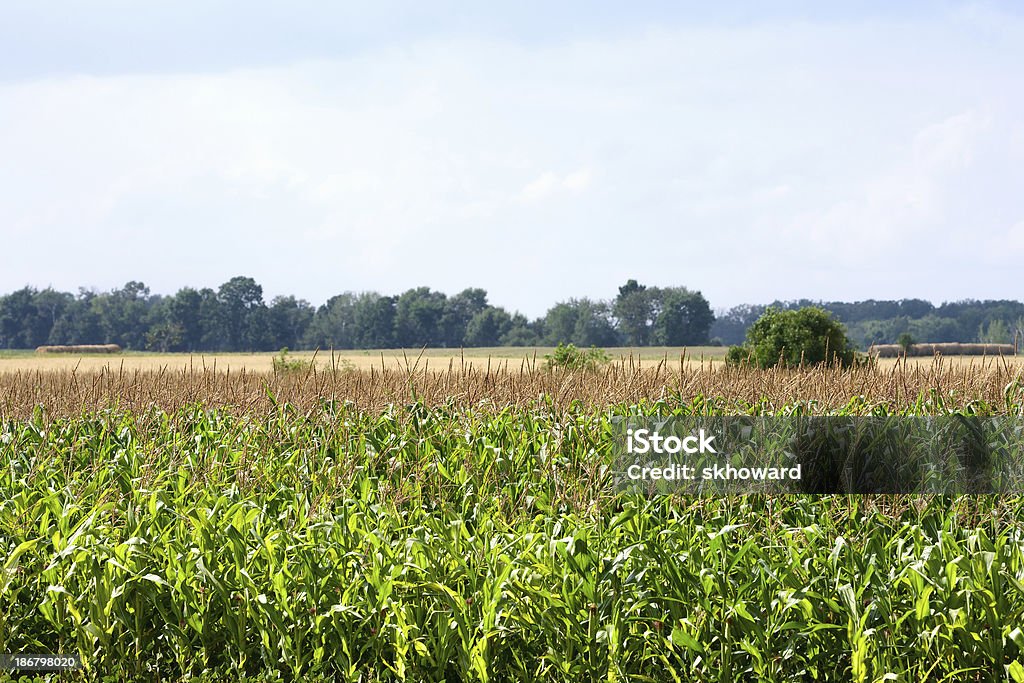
(289,320)
(184,311)
(582,322)
(633,308)
(240,299)
(459,310)
(122,315)
(374,318)
(684,318)
(20,324)
(488,327)
(79,323)
(418,315)
(333,324)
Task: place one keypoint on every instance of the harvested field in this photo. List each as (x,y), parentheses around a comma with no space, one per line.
(394,359)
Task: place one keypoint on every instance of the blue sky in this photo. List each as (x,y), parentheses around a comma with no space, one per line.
(542,150)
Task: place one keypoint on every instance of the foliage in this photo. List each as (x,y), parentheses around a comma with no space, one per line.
(634,309)
(996,332)
(881,322)
(568,357)
(235,317)
(671,316)
(285,363)
(460,544)
(807,336)
(582,322)
(905,340)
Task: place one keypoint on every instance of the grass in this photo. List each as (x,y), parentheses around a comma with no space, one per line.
(465,526)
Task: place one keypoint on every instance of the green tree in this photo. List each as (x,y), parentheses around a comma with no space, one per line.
(79,323)
(289,318)
(996,332)
(459,310)
(418,315)
(164,337)
(521,332)
(905,340)
(634,311)
(240,302)
(212,321)
(582,322)
(373,316)
(684,318)
(18,315)
(333,324)
(184,311)
(488,327)
(806,336)
(123,315)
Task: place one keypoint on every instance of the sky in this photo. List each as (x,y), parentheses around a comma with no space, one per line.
(542,151)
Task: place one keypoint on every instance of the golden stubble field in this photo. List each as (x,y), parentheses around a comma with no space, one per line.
(436,360)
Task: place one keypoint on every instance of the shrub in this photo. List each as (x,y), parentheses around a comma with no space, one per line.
(807,336)
(737,355)
(905,341)
(285,363)
(568,357)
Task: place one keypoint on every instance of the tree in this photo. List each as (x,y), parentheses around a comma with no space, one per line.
(459,310)
(906,341)
(594,326)
(289,319)
(633,309)
(806,336)
(521,332)
(581,322)
(79,323)
(996,332)
(239,299)
(373,317)
(123,315)
(560,323)
(18,320)
(684,318)
(212,321)
(184,311)
(333,324)
(164,337)
(732,325)
(418,315)
(488,327)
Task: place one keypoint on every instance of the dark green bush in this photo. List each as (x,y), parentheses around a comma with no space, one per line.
(807,336)
(569,357)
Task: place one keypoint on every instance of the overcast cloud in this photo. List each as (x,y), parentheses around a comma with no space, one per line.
(753,157)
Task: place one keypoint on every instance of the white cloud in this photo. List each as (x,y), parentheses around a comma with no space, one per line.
(751,163)
(548,184)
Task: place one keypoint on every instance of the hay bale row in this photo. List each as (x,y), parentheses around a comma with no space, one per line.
(80,348)
(944,349)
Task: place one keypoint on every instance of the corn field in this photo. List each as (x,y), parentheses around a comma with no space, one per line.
(462,525)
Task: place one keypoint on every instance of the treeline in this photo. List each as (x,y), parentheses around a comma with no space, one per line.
(235,317)
(883,322)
